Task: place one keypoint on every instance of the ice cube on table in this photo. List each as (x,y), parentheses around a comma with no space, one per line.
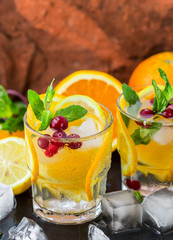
(158,211)
(27,230)
(7,200)
(122,210)
(95,233)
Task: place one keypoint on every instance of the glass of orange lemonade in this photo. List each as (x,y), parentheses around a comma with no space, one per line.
(145,138)
(69,164)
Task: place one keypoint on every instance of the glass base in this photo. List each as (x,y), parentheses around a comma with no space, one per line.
(67,218)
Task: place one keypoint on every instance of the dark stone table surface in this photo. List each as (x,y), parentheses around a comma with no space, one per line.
(73,232)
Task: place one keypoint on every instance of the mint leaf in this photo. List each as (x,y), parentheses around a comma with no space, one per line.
(71,113)
(46,119)
(168,91)
(139,196)
(5,104)
(129,94)
(13,124)
(143,135)
(160,101)
(36,104)
(132,98)
(49,96)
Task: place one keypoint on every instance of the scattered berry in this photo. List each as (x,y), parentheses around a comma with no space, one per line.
(56,136)
(59,123)
(51,150)
(152,101)
(168,113)
(74,145)
(135,185)
(146,113)
(129,182)
(43,142)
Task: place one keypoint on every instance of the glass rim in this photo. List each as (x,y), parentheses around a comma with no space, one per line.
(81,139)
(135,118)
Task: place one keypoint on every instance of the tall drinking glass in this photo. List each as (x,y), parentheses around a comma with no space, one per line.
(67,188)
(145,145)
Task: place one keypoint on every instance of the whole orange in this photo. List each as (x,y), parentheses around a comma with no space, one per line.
(147,70)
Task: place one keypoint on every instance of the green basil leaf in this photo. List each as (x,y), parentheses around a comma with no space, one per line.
(71,113)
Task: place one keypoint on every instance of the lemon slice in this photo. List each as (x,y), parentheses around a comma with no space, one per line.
(148,92)
(13,166)
(93,108)
(126,149)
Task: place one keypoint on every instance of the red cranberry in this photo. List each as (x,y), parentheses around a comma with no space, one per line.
(135,185)
(59,123)
(146,113)
(57,135)
(152,101)
(168,113)
(51,150)
(142,124)
(170,106)
(129,182)
(43,142)
(74,145)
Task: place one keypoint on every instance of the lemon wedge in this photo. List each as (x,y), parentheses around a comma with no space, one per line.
(13,166)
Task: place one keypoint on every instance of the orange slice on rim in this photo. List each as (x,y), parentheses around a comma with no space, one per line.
(100,86)
(126,148)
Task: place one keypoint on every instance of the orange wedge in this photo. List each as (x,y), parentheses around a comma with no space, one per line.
(126,148)
(100,86)
(5,134)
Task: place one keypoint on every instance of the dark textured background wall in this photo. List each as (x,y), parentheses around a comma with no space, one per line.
(42,39)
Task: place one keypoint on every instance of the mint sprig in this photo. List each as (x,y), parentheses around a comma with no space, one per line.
(42,111)
(11,113)
(160,101)
(168,91)
(143,135)
(139,196)
(36,103)
(133,100)
(162,98)
(49,96)
(71,113)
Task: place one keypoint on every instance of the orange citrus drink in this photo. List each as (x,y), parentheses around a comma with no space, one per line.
(69,159)
(145,137)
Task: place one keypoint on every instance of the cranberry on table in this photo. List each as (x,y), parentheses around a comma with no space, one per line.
(43,142)
(146,113)
(51,150)
(59,123)
(168,113)
(74,145)
(135,185)
(129,182)
(56,136)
